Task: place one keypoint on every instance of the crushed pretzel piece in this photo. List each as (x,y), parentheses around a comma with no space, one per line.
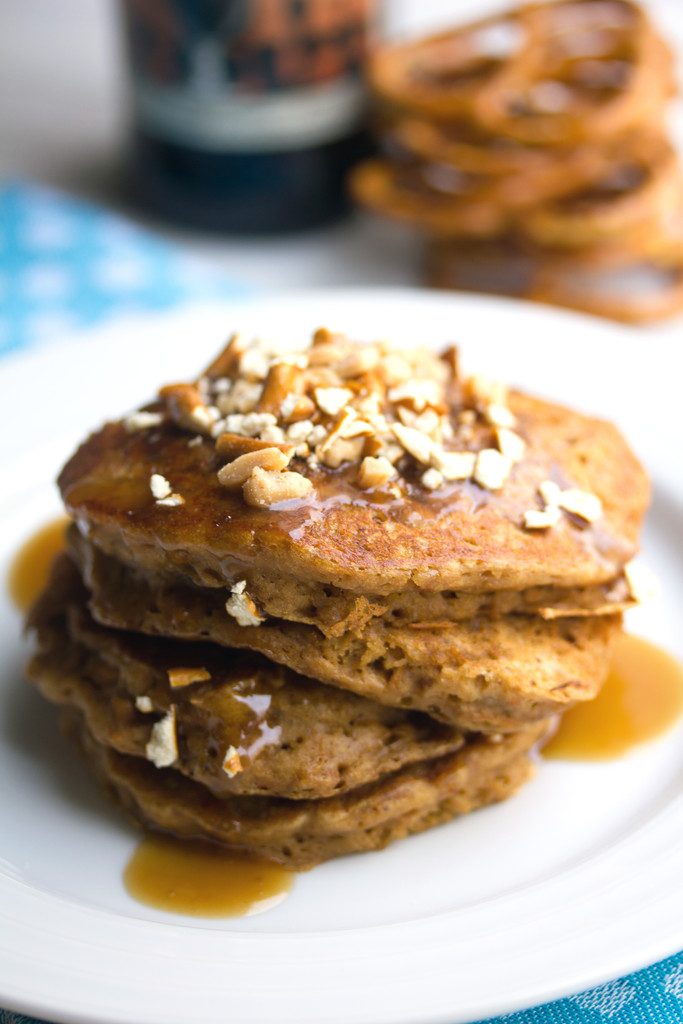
(242,397)
(250,424)
(178,677)
(159,486)
(232,765)
(332,400)
(236,473)
(226,361)
(241,606)
(336,450)
(417,444)
(510,444)
(499,416)
(454,465)
(581,503)
(143,420)
(172,501)
(542,519)
(254,364)
(295,408)
(278,387)
(230,446)
(486,391)
(361,360)
(550,492)
(419,393)
(355,427)
(375,472)
(491,469)
(187,408)
(162,747)
(432,479)
(264,488)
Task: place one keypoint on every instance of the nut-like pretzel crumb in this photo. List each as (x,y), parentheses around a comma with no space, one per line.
(264,488)
(432,479)
(499,415)
(510,444)
(231,446)
(332,400)
(550,492)
(172,501)
(542,519)
(340,450)
(417,444)
(159,486)
(486,391)
(143,420)
(418,393)
(162,747)
(454,465)
(236,473)
(241,606)
(232,765)
(331,403)
(375,472)
(582,503)
(178,677)
(491,469)
(186,406)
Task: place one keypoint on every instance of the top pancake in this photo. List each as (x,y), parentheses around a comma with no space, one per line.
(460,536)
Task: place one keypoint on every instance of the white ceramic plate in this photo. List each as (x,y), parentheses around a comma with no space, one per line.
(572,882)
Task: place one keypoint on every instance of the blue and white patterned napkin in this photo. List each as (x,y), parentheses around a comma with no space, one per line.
(65,265)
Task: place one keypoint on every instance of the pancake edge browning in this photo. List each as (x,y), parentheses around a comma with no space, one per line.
(302,834)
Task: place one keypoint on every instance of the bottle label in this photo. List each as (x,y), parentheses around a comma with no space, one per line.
(248,75)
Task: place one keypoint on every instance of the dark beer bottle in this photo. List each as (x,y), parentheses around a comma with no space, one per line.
(247,113)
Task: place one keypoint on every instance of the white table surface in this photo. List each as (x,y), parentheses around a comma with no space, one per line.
(63,123)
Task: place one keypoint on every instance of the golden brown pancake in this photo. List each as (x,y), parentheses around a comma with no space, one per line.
(485,675)
(335,611)
(294,737)
(303,833)
(463,537)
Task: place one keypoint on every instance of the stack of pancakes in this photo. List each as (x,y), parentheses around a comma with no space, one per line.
(530,150)
(331,594)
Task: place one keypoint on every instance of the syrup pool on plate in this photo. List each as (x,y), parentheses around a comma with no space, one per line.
(30,568)
(641,698)
(201,880)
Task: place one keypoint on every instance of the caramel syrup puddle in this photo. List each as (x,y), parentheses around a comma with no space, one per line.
(202,880)
(30,568)
(641,699)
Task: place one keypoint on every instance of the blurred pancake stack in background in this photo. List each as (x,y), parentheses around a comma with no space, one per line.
(529,150)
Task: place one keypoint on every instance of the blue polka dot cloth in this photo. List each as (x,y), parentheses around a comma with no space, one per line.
(65,265)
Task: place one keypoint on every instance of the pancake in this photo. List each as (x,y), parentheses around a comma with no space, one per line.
(301,834)
(335,611)
(330,594)
(460,535)
(293,737)
(483,675)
